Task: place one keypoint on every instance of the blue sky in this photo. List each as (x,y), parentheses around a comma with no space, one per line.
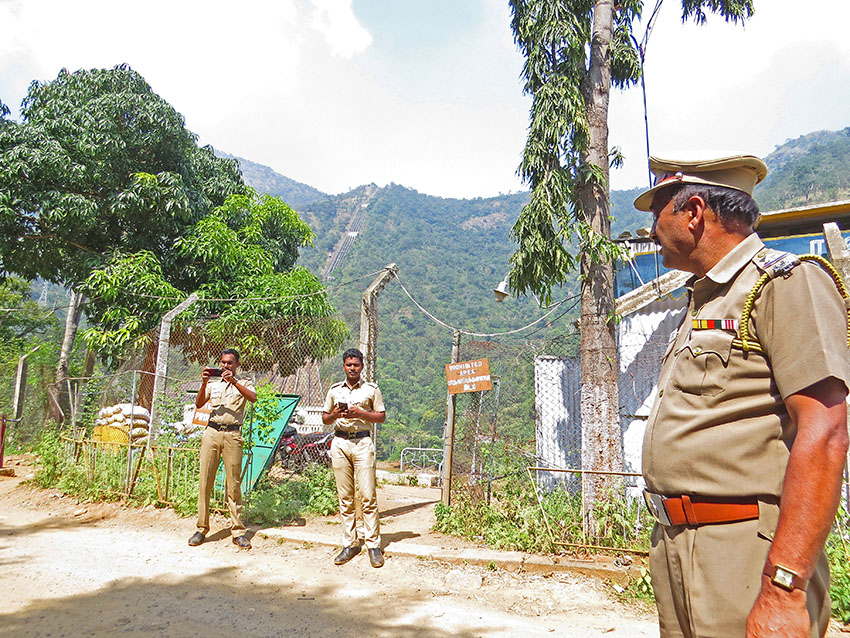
(426,93)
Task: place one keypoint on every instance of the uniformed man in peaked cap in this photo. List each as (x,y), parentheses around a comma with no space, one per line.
(352,406)
(746,442)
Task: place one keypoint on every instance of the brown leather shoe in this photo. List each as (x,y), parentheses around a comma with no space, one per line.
(242,542)
(376,556)
(196,539)
(347,554)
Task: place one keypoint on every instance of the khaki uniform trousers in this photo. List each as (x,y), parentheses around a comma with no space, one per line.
(227,447)
(354,461)
(706,580)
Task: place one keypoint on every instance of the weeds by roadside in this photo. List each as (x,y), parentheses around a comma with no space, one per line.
(313,492)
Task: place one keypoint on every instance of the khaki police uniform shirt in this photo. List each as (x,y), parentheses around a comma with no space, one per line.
(365,394)
(227,403)
(719,426)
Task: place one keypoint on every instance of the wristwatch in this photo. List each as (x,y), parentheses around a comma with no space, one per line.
(785,578)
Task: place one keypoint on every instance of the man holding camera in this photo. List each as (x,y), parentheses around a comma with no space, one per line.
(222,440)
(353,406)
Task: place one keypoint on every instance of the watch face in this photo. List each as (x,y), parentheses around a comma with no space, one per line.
(784,578)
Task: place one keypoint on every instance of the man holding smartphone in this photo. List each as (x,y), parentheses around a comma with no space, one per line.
(352,406)
(222,440)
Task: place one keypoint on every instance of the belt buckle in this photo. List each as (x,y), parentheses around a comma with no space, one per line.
(655,505)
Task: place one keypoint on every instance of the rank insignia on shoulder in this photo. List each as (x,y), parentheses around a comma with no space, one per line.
(776,263)
(714,324)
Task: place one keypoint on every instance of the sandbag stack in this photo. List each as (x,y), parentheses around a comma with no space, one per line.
(121,423)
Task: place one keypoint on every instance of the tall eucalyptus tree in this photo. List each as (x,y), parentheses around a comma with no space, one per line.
(575,51)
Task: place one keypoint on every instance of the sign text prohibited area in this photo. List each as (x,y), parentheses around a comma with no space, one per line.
(468,376)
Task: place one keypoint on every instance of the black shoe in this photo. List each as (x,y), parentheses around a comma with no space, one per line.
(347,554)
(376,556)
(197,539)
(242,542)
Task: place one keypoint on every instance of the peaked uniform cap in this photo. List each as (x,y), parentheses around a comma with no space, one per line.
(741,172)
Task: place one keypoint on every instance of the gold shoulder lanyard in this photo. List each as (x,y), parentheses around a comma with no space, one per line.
(745,343)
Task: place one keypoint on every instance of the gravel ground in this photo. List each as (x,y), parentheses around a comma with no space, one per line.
(72,569)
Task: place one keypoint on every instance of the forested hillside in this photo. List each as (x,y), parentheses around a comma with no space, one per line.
(266,180)
(451,253)
(810,169)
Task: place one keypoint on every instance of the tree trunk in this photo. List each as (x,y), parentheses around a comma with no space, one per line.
(602,447)
(59,399)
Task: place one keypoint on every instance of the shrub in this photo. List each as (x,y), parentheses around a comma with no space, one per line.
(314,492)
(839,568)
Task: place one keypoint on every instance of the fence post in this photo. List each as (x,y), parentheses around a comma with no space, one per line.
(449,436)
(162,358)
(2,439)
(369,321)
(21,385)
(130,437)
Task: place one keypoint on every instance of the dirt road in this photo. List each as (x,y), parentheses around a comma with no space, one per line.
(73,569)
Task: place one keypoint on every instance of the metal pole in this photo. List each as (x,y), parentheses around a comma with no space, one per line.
(497,386)
(473,471)
(130,437)
(449,437)
(2,439)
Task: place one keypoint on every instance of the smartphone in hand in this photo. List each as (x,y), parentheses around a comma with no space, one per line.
(342,406)
(215,372)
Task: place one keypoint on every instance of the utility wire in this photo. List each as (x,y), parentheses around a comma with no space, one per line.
(480,334)
(275,298)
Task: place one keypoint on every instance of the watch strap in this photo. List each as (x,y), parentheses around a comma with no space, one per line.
(785,578)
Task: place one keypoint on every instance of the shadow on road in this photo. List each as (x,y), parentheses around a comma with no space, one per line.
(213,605)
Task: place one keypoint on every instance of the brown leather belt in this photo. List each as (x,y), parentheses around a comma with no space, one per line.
(698,510)
(223,428)
(351,435)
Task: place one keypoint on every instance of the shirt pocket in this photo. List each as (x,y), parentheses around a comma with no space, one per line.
(702,364)
(216,392)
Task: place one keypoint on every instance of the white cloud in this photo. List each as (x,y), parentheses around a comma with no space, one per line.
(336,21)
(784,74)
(323,96)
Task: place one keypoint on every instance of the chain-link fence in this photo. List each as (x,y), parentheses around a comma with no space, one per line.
(523,437)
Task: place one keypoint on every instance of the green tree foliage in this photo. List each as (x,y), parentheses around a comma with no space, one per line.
(240,260)
(70,195)
(555,37)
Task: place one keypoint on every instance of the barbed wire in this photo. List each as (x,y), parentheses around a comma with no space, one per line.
(324,290)
(433,318)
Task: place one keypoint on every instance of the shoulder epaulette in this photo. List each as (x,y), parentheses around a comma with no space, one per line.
(775,263)
(337,384)
(371,384)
